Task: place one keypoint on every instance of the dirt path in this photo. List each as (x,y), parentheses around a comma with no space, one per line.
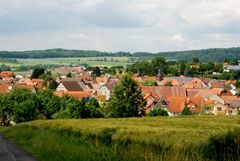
(12,152)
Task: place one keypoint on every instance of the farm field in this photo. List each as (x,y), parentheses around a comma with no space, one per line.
(92,61)
(156,138)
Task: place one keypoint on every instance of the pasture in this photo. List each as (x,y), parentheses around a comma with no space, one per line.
(92,61)
(155,138)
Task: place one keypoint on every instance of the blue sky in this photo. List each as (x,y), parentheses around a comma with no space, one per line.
(119,25)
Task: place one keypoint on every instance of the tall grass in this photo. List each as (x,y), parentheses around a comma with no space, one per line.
(161,138)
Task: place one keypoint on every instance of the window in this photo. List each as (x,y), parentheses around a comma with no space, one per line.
(219,108)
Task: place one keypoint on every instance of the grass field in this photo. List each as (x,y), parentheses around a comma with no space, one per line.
(159,138)
(92,61)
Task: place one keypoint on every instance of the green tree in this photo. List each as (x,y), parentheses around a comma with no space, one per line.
(94,108)
(96,71)
(49,103)
(182,68)
(127,100)
(195,60)
(37,72)
(25,111)
(159,63)
(186,111)
(23,104)
(69,75)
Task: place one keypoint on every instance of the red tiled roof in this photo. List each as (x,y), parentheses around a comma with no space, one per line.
(4,88)
(6,74)
(164,91)
(150,94)
(230,99)
(176,104)
(75,94)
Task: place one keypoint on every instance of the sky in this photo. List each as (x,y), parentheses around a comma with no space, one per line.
(119,25)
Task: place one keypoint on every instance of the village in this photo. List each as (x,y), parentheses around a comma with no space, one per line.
(203,96)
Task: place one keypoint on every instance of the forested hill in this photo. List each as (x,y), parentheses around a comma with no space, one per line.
(205,55)
(216,55)
(57,53)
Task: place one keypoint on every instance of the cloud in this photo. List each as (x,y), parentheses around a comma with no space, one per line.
(110,25)
(178,38)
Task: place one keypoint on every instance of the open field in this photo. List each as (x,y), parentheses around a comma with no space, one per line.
(160,138)
(92,61)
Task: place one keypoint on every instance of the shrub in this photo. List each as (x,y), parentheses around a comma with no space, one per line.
(158,112)
(186,111)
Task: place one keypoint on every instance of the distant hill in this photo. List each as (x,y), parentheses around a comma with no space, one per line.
(216,55)
(205,55)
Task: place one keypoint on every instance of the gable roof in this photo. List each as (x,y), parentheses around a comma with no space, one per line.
(150,95)
(230,99)
(176,104)
(72,86)
(235,104)
(164,91)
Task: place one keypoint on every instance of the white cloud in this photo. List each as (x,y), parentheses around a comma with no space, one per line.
(110,25)
(178,38)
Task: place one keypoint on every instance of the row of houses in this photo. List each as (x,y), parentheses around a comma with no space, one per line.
(206,96)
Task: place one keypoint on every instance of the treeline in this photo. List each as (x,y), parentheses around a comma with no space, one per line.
(57,53)
(22,105)
(205,55)
(191,68)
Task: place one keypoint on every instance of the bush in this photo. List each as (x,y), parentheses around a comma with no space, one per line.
(186,111)
(158,112)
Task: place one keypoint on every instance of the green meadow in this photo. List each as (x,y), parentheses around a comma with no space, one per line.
(92,61)
(149,138)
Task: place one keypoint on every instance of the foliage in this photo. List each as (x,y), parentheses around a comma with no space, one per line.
(186,111)
(5,68)
(96,71)
(149,82)
(69,75)
(49,103)
(149,68)
(37,72)
(169,83)
(158,112)
(127,100)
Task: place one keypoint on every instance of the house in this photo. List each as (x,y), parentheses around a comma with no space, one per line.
(102,80)
(176,105)
(234,108)
(156,103)
(228,68)
(69,86)
(186,82)
(5,88)
(4,74)
(149,98)
(107,90)
(31,88)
